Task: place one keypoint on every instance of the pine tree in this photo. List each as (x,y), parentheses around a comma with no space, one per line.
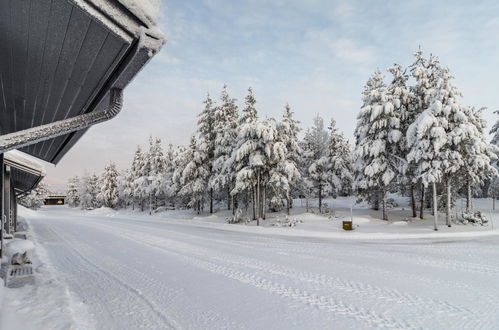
(88,191)
(206,141)
(407,108)
(142,182)
(339,156)
(108,194)
(225,128)
(167,175)
(195,175)
(181,158)
(432,151)
(377,136)
(478,155)
(288,131)
(36,197)
(133,176)
(247,121)
(312,163)
(257,155)
(156,174)
(72,197)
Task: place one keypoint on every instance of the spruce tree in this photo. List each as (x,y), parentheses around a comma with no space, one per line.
(377,134)
(206,141)
(108,194)
(225,127)
(72,197)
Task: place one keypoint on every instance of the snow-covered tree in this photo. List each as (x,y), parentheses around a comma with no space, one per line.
(288,130)
(206,142)
(377,134)
(339,156)
(108,194)
(225,128)
(166,181)
(88,191)
(156,174)
(36,197)
(313,164)
(142,172)
(180,161)
(247,120)
(132,178)
(195,175)
(408,108)
(434,135)
(257,155)
(72,197)
(478,155)
(124,196)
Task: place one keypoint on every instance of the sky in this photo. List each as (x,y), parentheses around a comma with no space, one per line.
(315,55)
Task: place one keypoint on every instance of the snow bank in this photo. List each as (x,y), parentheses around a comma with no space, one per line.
(18,246)
(105,211)
(25,212)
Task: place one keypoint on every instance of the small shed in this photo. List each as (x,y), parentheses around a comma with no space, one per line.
(55,200)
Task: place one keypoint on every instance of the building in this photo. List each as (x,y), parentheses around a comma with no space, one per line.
(63,67)
(55,200)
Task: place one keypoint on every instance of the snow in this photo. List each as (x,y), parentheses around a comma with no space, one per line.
(110,269)
(26,160)
(18,246)
(146,10)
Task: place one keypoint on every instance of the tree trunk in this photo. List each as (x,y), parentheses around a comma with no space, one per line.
(229,198)
(385,211)
(435,214)
(413,201)
(288,202)
(320,197)
(258,197)
(211,200)
(447,204)
(264,203)
(468,197)
(421,203)
(253,197)
(494,202)
(376,201)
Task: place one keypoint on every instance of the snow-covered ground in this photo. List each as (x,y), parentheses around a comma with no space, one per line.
(126,270)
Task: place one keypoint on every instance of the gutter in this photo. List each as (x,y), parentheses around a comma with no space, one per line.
(41,133)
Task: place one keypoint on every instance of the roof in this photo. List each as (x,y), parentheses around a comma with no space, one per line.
(25,172)
(60,59)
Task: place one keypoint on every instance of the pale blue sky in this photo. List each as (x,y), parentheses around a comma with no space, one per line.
(316,55)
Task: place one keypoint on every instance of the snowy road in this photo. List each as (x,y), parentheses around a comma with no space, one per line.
(154,274)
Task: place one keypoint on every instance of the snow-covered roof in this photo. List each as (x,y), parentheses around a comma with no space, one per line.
(26,172)
(21,160)
(146,10)
(61,58)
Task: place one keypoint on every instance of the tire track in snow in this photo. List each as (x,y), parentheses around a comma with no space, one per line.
(201,314)
(364,290)
(103,274)
(319,301)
